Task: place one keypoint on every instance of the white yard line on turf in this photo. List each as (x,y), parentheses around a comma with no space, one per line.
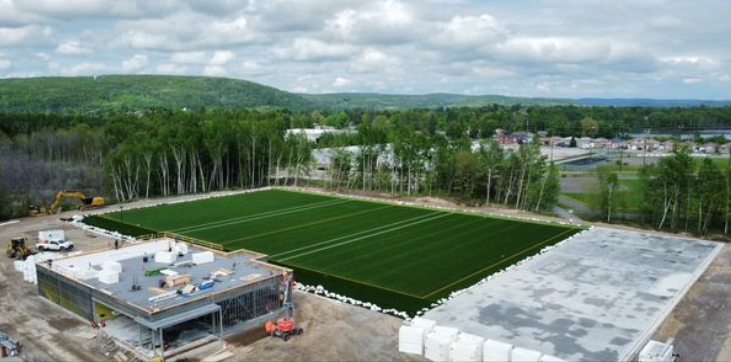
(263,215)
(354,234)
(367,236)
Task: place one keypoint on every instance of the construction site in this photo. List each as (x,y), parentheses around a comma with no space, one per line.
(164,297)
(599,294)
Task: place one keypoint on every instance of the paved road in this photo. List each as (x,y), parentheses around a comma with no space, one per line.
(574,205)
(567,215)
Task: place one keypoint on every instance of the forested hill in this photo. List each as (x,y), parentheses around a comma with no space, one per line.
(374,101)
(136,92)
(129,93)
(123,93)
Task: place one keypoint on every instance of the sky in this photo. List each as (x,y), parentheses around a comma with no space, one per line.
(667,49)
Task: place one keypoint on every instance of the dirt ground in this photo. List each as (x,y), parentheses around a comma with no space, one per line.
(701,325)
(333,332)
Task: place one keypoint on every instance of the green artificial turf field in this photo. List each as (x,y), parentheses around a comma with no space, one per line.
(394,256)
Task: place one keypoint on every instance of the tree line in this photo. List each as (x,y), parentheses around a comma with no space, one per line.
(445,152)
(680,196)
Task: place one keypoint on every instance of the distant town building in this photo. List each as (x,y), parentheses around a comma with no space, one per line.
(314,134)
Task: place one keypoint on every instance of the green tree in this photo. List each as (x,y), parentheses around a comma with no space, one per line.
(491,155)
(589,127)
(608,199)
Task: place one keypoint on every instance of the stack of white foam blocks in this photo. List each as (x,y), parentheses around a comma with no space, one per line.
(411,337)
(437,343)
(467,347)
(202,257)
(28,268)
(446,344)
(165,257)
(110,272)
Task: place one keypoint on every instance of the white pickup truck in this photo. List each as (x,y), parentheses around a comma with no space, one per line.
(54,245)
(53,240)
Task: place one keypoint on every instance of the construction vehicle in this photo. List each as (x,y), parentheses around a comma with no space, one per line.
(17,249)
(86,202)
(284,329)
(9,347)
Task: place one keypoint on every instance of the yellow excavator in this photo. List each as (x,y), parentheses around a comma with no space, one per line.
(86,202)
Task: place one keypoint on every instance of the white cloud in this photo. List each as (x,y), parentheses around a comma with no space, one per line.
(251,67)
(81,9)
(214,71)
(692,80)
(341,82)
(304,49)
(379,22)
(471,31)
(24,35)
(5,64)
(189,58)
(85,68)
(222,57)
(633,47)
(694,60)
(73,47)
(665,22)
(135,64)
(373,60)
(142,40)
(169,68)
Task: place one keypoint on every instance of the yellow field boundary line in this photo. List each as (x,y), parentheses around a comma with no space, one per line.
(291,265)
(299,226)
(498,263)
(187,239)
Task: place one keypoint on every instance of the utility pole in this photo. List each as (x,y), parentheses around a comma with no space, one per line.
(550,140)
(644,147)
(621,153)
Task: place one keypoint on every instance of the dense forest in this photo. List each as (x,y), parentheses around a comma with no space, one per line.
(446,152)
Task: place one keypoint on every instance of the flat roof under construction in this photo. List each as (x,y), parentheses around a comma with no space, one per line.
(596,297)
(233,270)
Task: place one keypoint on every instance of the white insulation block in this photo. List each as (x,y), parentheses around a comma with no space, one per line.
(496,351)
(437,343)
(411,340)
(426,324)
(113,266)
(202,258)
(108,277)
(181,248)
(549,358)
(165,257)
(525,355)
(89,274)
(467,347)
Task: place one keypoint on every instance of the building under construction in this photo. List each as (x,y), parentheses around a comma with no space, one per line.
(163,297)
